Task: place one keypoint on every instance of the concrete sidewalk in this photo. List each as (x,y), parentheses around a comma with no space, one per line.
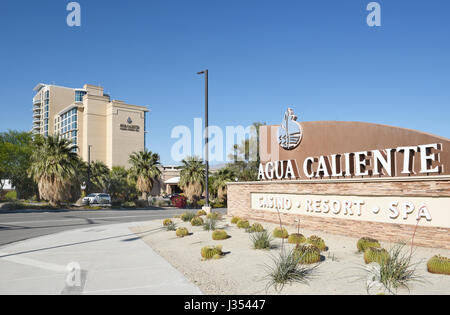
(102,260)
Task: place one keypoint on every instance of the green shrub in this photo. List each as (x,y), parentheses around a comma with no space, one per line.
(243,224)
(439,265)
(296,239)
(201,203)
(166,222)
(182,232)
(129,205)
(219,235)
(11,195)
(307,254)
(188,216)
(141,203)
(197,221)
(235,220)
(256,227)
(261,240)
(318,242)
(201,213)
(286,270)
(214,215)
(218,205)
(280,233)
(366,242)
(374,254)
(210,252)
(210,225)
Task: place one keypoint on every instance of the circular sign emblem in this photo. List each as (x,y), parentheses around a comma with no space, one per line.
(290,133)
(129,121)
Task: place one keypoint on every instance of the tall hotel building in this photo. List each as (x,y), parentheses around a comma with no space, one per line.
(89,118)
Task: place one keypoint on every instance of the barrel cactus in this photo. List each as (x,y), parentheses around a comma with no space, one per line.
(318,242)
(296,239)
(439,265)
(197,221)
(256,227)
(182,232)
(366,242)
(243,224)
(235,220)
(167,222)
(307,254)
(201,213)
(280,233)
(219,235)
(374,254)
(210,252)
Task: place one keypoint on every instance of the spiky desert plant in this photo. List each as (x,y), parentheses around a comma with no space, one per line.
(210,252)
(182,232)
(261,240)
(307,254)
(243,224)
(439,265)
(166,222)
(197,221)
(210,225)
(374,254)
(318,242)
(366,242)
(219,235)
(188,216)
(256,227)
(285,269)
(235,220)
(171,227)
(201,213)
(396,271)
(296,238)
(214,215)
(280,233)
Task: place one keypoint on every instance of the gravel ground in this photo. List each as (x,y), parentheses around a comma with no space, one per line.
(242,270)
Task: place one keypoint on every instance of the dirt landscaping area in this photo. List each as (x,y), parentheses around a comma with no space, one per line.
(242,270)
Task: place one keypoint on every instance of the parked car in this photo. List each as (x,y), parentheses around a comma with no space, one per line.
(102,199)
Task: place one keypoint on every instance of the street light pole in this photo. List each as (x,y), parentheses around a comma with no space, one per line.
(205,72)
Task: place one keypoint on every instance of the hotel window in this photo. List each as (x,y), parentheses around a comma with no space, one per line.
(79,96)
(68,126)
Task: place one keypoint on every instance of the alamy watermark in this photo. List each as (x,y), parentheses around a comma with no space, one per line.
(374,17)
(74,17)
(234,143)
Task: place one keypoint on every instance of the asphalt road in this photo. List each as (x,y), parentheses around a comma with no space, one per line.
(25,224)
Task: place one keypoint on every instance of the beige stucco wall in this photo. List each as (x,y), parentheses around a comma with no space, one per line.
(122,143)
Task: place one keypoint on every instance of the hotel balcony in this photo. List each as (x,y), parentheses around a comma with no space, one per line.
(37,101)
(37,115)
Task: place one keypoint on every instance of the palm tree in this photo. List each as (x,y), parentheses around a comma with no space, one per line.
(145,170)
(222,177)
(53,166)
(100,176)
(192,179)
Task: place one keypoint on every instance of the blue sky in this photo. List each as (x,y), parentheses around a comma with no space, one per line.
(319,57)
